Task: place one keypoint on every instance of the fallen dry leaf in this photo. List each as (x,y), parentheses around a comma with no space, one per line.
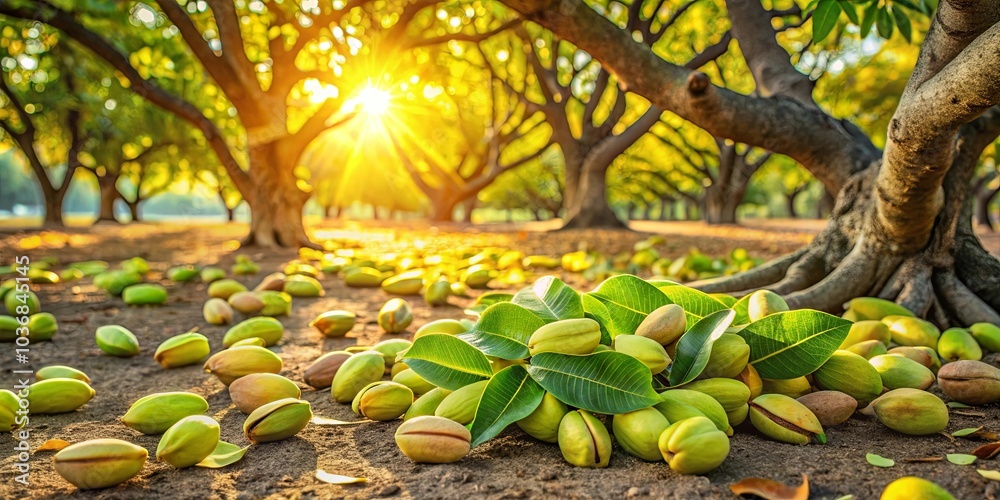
(970,413)
(332,421)
(985,435)
(53,445)
(949,436)
(326,477)
(987,451)
(769,489)
(922,460)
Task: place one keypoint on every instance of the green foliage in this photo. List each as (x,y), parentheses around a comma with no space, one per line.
(509,396)
(794,343)
(695,346)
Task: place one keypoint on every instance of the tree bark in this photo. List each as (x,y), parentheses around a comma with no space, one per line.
(468,205)
(54,208)
(790,205)
(109,193)
(983,199)
(276,214)
(721,205)
(591,208)
(230,213)
(133,209)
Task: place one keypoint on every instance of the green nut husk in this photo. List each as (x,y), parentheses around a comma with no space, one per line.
(793,387)
(269,329)
(254,341)
(914,488)
(866,330)
(144,294)
(583,440)
(921,354)
(355,373)
(390,349)
(648,351)
(299,285)
(764,303)
(275,303)
(9,405)
(236,362)
(59,371)
(395,316)
(665,324)
(58,395)
(693,446)
(678,404)
(732,394)
(568,336)
(988,336)
(363,277)
(334,323)
(8,328)
(462,403)
(730,355)
(114,282)
(257,389)
(850,374)
(277,420)
(477,277)
(784,419)
(99,463)
(136,265)
(898,371)
(449,326)
(970,382)
(43,276)
(638,432)
(319,375)
(415,382)
(433,440)
(382,401)
(910,331)
(211,274)
(155,413)
(873,308)
(543,423)
(830,407)
(22,303)
(426,404)
(225,288)
(246,302)
(910,411)
(42,326)
(408,283)
(956,344)
(183,274)
(189,441)
(437,293)
(117,341)
(868,349)
(217,312)
(182,350)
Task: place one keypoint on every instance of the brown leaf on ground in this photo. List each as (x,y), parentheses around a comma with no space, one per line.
(769,489)
(53,445)
(985,435)
(922,460)
(987,451)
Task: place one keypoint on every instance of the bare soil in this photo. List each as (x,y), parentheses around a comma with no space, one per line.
(510,466)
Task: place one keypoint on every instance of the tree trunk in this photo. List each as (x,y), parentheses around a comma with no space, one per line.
(109,193)
(444,208)
(790,204)
(982,207)
(720,205)
(591,208)
(276,203)
(230,212)
(333,212)
(133,208)
(54,207)
(825,205)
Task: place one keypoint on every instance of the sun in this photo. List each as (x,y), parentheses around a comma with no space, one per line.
(374,101)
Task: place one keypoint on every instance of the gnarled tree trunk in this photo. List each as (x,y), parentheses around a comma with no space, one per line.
(277,202)
(108,193)
(591,208)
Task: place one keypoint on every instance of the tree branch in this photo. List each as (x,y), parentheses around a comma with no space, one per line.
(461,37)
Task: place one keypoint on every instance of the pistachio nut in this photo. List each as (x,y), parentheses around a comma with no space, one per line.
(543,423)
(830,407)
(275,303)
(144,294)
(449,326)
(117,341)
(114,282)
(301,268)
(414,382)
(42,276)
(22,304)
(395,316)
(583,440)
(868,349)
(211,274)
(254,341)
(236,362)
(764,303)
(910,331)
(8,328)
(678,404)
(850,374)
(9,405)
(363,277)
(648,351)
(277,420)
(958,344)
(638,432)
(568,336)
(155,413)
(477,276)
(543,261)
(246,302)
(244,265)
(733,395)
(217,312)
(433,440)
(269,329)
(334,323)
(898,371)
(59,371)
(355,373)
(189,441)
(693,446)
(182,350)
(136,265)
(873,308)
(751,379)
(398,367)
(866,330)
(793,387)
(225,288)
(921,354)
(988,336)
(437,293)
(257,389)
(390,349)
(462,403)
(665,324)
(42,326)
(99,463)
(426,404)
(382,401)
(354,349)
(738,415)
(408,283)
(299,285)
(784,419)
(273,281)
(183,274)
(914,488)
(970,382)
(910,411)
(459,289)
(319,375)
(58,395)
(730,355)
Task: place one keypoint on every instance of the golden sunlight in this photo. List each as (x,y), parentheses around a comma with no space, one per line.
(374,101)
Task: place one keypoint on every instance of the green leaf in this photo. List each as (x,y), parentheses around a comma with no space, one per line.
(509,396)
(728,300)
(447,361)
(696,304)
(695,346)
(879,461)
(966,432)
(850,10)
(825,18)
(960,458)
(595,310)
(224,454)
(628,300)
(903,23)
(884,23)
(992,475)
(793,344)
(604,382)
(868,18)
(550,299)
(956,404)
(486,300)
(742,308)
(503,331)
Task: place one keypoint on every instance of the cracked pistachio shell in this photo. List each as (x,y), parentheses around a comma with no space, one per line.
(638,432)
(277,420)
(319,375)
(426,404)
(9,404)
(155,413)
(355,373)
(730,355)
(433,440)
(58,395)
(543,423)
(958,344)
(236,362)
(868,349)
(693,446)
(217,312)
(390,349)
(449,326)
(782,418)
(257,389)
(462,403)
(182,350)
(382,401)
(99,463)
(970,382)
(648,351)
(898,371)
(583,440)
(830,407)
(910,411)
(678,404)
(395,316)
(413,381)
(189,441)
(273,281)
(764,303)
(59,371)
(225,288)
(665,324)
(117,341)
(437,293)
(269,329)
(254,341)
(334,323)
(568,336)
(914,488)
(246,302)
(850,374)
(988,336)
(793,387)
(910,331)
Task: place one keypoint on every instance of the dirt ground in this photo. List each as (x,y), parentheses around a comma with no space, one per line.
(510,466)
